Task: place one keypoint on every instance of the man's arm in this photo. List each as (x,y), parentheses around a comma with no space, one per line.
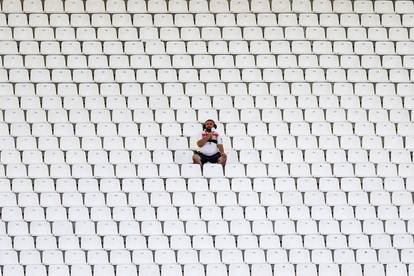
(221,149)
(203,141)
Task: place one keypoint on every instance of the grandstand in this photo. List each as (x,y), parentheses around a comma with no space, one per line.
(101,102)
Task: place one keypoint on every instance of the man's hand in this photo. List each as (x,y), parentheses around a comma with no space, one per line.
(205,138)
(223,155)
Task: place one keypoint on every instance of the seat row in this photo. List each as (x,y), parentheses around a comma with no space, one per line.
(350,192)
(191,34)
(215,269)
(281,233)
(142,123)
(124,135)
(206,20)
(382,243)
(183,156)
(380,89)
(206,61)
(197,6)
(283,218)
(279,100)
(63,138)
(207,256)
(156,197)
(259,184)
(315,131)
(320,169)
(219,47)
(289,74)
(288,269)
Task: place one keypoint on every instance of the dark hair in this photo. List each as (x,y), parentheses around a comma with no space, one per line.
(211,120)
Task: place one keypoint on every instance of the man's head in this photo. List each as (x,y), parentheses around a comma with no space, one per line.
(209,125)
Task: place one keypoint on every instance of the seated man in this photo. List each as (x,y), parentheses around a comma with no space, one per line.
(210,146)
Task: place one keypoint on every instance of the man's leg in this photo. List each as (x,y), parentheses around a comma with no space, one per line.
(197,159)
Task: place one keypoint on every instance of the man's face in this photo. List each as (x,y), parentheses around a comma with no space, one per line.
(209,124)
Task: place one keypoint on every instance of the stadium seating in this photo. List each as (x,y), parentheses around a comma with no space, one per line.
(101,102)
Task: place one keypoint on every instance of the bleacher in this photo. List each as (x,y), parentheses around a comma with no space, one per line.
(101,102)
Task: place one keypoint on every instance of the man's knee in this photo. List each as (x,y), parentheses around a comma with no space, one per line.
(222,160)
(196,158)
